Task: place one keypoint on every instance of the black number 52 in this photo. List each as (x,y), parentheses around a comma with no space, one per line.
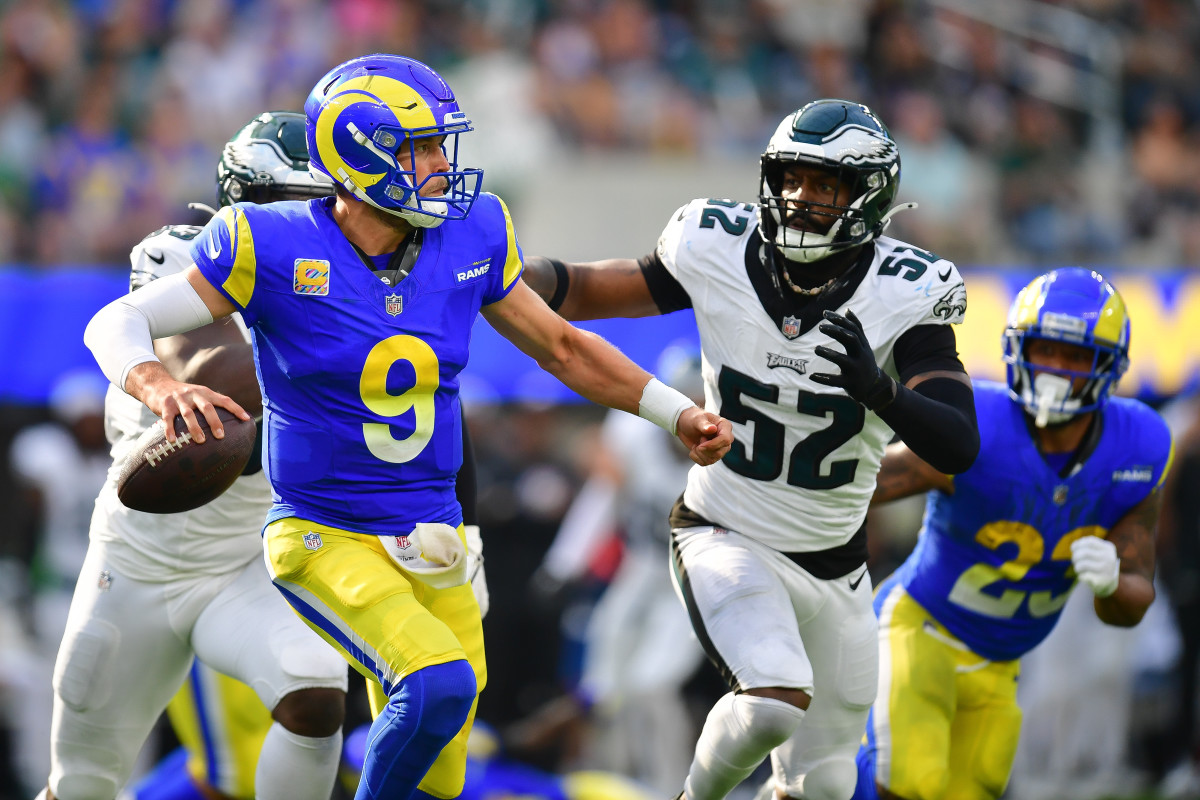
(804,465)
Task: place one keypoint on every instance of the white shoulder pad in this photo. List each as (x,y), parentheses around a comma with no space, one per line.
(162,253)
(929,287)
(674,235)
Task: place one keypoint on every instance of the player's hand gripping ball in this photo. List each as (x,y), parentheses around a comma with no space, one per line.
(162,477)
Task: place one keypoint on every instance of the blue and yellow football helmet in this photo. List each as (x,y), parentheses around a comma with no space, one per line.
(360,115)
(1076,306)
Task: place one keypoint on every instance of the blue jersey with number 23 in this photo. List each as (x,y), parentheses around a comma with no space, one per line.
(993,562)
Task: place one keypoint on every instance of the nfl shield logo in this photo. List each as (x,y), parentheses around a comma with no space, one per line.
(393,304)
(790,327)
(402,542)
(312,541)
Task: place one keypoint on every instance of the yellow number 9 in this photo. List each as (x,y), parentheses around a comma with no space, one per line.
(373,390)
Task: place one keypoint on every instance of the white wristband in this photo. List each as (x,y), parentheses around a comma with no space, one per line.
(662,405)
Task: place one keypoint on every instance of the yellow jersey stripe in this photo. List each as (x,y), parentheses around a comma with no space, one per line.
(240,283)
(512,262)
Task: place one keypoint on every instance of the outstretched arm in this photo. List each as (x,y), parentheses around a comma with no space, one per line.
(615,287)
(903,473)
(598,371)
(1120,569)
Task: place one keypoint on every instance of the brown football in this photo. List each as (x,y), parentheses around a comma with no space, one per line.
(162,477)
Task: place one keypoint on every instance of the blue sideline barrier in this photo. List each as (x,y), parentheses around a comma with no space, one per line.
(43,314)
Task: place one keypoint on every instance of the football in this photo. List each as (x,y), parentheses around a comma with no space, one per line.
(162,477)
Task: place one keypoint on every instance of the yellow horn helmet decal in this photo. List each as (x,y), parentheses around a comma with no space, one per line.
(1110,325)
(1028,304)
(406,105)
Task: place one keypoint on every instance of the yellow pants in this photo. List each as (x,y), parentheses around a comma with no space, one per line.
(386,624)
(946,722)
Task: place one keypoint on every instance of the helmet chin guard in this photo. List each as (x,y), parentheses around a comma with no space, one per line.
(1050,399)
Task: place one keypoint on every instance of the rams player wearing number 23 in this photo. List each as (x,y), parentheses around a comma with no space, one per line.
(1065,489)
(361,307)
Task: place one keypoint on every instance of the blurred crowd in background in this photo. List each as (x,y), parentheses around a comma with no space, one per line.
(1030,131)
(1033,134)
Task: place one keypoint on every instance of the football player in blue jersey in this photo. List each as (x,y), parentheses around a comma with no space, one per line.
(1066,489)
(161,592)
(490,775)
(221,721)
(360,308)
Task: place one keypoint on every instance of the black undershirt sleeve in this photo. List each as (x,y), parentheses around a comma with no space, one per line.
(926,348)
(668,294)
(936,418)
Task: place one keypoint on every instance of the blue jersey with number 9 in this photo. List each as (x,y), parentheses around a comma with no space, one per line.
(993,562)
(359,379)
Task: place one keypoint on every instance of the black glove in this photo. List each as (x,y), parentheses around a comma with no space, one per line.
(860,377)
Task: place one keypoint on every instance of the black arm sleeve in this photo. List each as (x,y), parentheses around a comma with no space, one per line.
(926,348)
(937,422)
(465,488)
(667,292)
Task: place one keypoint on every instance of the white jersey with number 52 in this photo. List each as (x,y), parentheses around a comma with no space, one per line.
(802,470)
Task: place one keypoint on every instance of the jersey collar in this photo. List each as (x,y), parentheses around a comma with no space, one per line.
(804,311)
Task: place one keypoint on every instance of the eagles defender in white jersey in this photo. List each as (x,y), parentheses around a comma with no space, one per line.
(158,589)
(821,338)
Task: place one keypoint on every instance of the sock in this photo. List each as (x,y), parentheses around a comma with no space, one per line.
(423,713)
(741,731)
(295,767)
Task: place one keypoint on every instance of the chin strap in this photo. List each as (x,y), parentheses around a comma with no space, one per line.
(203,207)
(887,218)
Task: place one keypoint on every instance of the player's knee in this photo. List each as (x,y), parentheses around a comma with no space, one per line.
(316,713)
(794,697)
(84,787)
(445,694)
(768,720)
(833,779)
